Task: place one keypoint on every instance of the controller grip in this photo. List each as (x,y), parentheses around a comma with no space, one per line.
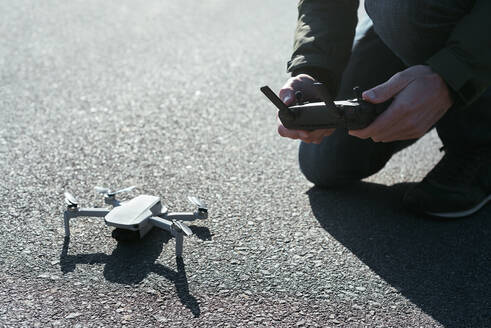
(364,115)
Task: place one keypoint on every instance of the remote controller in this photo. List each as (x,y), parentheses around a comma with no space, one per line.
(352,114)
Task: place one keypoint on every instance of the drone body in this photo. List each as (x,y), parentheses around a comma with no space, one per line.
(139,214)
(135,214)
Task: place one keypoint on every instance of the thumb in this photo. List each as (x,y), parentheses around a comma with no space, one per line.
(388,89)
(287,96)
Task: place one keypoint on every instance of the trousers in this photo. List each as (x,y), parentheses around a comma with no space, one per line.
(404,33)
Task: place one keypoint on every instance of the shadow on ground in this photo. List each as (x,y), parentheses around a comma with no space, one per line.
(442,267)
(131,262)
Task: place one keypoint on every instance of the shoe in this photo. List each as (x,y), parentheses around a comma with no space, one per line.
(458,186)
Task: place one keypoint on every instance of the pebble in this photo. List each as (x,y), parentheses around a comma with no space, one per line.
(151,291)
(73,315)
(160,318)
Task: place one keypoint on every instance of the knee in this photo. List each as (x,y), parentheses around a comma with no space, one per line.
(326,172)
(325,179)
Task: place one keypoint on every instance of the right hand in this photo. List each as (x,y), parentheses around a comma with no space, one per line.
(303,83)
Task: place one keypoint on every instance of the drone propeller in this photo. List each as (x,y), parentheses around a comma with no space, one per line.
(198,202)
(102,190)
(109,192)
(181,226)
(70,200)
(124,190)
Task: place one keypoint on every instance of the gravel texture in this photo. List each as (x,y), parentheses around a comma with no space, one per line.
(164,95)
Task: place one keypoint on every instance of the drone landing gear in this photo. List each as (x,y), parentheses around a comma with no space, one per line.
(179,244)
(176,228)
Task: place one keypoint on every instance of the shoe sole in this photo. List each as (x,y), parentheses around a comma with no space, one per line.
(461,214)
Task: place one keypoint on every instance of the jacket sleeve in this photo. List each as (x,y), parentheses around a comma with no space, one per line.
(465,62)
(324,36)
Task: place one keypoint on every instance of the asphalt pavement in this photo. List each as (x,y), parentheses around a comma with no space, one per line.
(165,95)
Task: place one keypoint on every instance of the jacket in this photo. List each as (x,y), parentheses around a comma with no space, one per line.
(326,28)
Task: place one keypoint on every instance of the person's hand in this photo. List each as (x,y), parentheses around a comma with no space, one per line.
(421,98)
(303,83)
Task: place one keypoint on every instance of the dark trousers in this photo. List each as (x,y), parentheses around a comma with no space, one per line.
(402,36)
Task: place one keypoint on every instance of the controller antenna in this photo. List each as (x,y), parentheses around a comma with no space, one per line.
(325,96)
(284,109)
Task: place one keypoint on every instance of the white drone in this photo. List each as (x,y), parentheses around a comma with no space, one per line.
(137,216)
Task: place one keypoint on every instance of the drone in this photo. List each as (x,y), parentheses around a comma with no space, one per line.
(133,219)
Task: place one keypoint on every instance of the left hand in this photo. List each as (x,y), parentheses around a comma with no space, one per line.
(421,98)
(303,83)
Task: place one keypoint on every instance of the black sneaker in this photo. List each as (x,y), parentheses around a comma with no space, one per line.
(459,185)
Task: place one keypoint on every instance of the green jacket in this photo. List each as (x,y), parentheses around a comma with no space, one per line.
(326,29)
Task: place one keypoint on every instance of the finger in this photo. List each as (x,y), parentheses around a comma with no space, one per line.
(303,83)
(388,89)
(315,136)
(287,96)
(284,132)
(385,123)
(305,136)
(361,133)
(318,135)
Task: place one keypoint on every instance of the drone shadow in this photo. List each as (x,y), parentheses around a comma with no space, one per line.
(443,267)
(131,262)
(202,233)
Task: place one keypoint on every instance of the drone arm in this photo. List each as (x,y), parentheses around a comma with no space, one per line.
(112,201)
(162,223)
(95,212)
(70,214)
(179,244)
(168,225)
(185,216)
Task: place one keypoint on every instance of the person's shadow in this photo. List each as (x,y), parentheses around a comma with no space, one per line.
(443,267)
(131,262)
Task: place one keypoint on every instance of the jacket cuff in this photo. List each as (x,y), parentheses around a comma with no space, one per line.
(330,78)
(458,76)
(299,61)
